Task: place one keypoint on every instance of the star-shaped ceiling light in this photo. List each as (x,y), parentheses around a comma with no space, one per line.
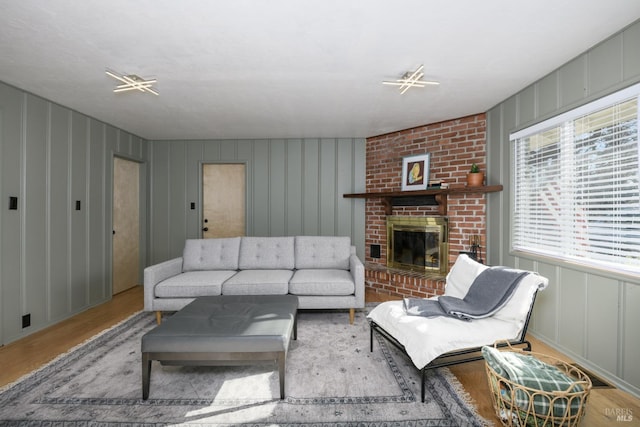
(132,82)
(411,79)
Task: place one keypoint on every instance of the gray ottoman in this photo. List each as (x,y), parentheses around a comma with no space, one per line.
(224,330)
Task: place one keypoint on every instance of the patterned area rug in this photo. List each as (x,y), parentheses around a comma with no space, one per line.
(331,379)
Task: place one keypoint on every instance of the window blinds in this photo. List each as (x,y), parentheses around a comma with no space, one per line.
(577,185)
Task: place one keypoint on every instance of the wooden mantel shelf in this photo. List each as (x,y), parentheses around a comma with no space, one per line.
(438,194)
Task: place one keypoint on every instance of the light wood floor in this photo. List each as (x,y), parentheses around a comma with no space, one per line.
(27,354)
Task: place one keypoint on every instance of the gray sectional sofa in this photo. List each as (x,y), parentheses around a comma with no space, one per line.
(322,271)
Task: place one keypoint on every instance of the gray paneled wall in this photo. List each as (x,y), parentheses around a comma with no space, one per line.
(294,187)
(55,261)
(590,315)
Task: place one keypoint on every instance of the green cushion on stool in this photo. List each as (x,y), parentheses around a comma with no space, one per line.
(531,372)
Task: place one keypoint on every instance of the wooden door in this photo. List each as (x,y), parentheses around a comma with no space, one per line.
(126,224)
(224,195)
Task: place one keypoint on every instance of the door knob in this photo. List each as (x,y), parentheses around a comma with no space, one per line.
(205,229)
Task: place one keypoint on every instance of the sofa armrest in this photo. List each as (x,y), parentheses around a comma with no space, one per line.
(155,274)
(357,272)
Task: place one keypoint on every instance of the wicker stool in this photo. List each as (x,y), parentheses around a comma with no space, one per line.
(519,405)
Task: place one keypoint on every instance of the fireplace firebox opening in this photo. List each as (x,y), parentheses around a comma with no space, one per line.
(418,243)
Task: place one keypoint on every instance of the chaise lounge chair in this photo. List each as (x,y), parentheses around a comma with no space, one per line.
(433,342)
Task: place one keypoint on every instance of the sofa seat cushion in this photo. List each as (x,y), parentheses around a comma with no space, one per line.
(323,252)
(321,282)
(211,254)
(266,253)
(258,282)
(193,284)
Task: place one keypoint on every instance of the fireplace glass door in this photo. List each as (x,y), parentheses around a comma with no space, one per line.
(418,244)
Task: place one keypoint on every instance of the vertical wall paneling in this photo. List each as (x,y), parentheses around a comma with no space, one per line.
(178,197)
(629,333)
(509,120)
(572,82)
(343,184)
(192,175)
(327,176)
(55,260)
(527,105)
(547,308)
(96,207)
(573,299)
(591,316)
(602,300)
(261,187)
(604,65)
(277,188)
(630,57)
(310,185)
(159,205)
(228,151)
(294,187)
(2,197)
(286,182)
(60,209)
(78,254)
(212,151)
(34,225)
(11,101)
(547,94)
(495,173)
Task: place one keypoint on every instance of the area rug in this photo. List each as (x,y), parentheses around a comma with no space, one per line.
(332,378)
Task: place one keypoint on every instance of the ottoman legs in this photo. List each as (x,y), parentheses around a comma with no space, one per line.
(146,375)
(281,359)
(210,359)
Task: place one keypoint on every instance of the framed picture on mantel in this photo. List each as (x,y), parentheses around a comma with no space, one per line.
(415,172)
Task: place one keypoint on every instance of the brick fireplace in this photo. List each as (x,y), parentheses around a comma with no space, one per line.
(454,145)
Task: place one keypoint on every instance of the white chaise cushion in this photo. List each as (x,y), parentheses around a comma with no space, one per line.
(266,253)
(323,252)
(461,276)
(425,338)
(321,282)
(211,254)
(516,309)
(258,282)
(193,284)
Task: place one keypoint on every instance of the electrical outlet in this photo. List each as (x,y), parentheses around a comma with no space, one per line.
(26,320)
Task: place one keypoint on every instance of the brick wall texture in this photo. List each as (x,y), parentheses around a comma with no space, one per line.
(453,145)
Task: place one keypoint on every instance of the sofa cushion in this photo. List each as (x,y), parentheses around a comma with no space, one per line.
(323,252)
(258,282)
(193,284)
(321,282)
(211,254)
(266,253)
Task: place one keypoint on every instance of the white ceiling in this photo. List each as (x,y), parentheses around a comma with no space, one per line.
(291,68)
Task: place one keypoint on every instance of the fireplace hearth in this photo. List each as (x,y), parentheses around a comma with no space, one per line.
(418,243)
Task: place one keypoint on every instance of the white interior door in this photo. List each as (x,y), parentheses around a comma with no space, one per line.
(126,224)
(224,195)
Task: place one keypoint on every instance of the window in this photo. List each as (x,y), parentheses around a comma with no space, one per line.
(577,185)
